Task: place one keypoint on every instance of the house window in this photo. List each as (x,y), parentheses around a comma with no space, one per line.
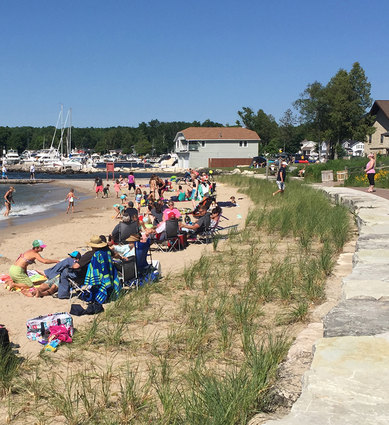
(382,138)
(193,146)
(245,144)
(370,138)
(240,144)
(203,144)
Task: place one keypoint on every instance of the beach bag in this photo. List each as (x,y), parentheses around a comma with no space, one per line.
(39,327)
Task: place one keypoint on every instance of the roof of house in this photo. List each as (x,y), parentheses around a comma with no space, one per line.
(380,104)
(219,133)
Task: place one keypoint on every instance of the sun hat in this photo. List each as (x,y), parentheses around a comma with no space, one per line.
(133,238)
(75,254)
(38,244)
(96,242)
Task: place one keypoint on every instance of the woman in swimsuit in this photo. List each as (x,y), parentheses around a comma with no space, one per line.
(8,201)
(18,271)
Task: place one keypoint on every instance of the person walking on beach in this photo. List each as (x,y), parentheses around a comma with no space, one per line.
(32,172)
(98,186)
(8,200)
(70,198)
(281,176)
(131,182)
(370,171)
(4,172)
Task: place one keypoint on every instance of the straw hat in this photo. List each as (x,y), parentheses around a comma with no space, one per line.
(133,238)
(96,242)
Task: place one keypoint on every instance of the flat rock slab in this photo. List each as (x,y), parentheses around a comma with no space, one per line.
(347,384)
(355,288)
(357,317)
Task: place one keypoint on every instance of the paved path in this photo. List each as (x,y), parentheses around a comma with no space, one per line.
(348,382)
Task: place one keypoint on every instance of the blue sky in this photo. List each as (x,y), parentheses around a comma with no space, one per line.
(125,61)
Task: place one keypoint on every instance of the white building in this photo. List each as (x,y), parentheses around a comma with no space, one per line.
(215,146)
(353,147)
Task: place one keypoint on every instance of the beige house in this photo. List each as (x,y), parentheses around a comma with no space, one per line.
(379,141)
(201,146)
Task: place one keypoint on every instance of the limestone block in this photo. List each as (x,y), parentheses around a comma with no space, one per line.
(340,389)
(375,289)
(357,317)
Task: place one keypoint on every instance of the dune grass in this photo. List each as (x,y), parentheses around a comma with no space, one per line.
(203,346)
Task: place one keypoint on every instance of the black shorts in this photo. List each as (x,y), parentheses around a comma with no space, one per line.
(131,185)
(370,176)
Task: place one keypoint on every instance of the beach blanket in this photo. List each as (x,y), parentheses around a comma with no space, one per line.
(102,274)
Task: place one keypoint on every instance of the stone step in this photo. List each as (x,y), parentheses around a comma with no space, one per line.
(347,384)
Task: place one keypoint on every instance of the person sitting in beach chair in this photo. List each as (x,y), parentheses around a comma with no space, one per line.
(202,223)
(128,226)
(101,275)
(206,202)
(58,277)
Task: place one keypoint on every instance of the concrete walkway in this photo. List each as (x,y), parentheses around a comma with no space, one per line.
(348,382)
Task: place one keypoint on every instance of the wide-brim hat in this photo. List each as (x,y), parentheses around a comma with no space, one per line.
(133,238)
(96,242)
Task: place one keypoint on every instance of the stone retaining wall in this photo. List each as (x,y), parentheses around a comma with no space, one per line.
(348,381)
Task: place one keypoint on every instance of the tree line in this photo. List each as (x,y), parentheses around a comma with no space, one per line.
(332,113)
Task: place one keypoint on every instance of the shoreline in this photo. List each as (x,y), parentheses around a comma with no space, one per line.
(64,233)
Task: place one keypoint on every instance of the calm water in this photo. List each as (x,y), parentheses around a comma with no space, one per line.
(33,202)
(38,201)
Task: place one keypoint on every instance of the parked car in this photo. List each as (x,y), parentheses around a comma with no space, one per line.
(258,161)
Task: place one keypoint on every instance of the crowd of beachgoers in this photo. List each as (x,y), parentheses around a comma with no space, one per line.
(147,215)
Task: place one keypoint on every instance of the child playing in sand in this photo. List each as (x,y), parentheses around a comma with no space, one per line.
(233,201)
(123,198)
(70,198)
(119,208)
(117,188)
(106,191)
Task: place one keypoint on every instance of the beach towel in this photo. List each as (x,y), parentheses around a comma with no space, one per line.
(102,275)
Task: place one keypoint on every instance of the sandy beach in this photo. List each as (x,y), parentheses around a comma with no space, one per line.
(66,233)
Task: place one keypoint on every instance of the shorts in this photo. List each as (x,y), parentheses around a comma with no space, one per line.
(18,275)
(53,282)
(99,189)
(131,185)
(370,176)
(281,185)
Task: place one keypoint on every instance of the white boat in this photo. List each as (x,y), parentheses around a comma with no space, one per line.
(12,157)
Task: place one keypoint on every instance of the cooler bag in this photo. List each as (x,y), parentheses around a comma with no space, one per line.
(38,327)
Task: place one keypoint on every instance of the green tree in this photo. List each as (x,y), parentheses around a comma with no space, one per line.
(263,124)
(338,111)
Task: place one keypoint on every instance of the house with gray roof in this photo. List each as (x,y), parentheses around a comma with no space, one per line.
(198,147)
(378,142)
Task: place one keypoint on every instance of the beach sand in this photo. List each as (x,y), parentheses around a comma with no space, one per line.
(66,233)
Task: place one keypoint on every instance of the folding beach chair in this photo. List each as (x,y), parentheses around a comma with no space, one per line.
(172,240)
(128,272)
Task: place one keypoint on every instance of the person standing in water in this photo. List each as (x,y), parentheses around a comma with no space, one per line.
(70,198)
(8,200)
